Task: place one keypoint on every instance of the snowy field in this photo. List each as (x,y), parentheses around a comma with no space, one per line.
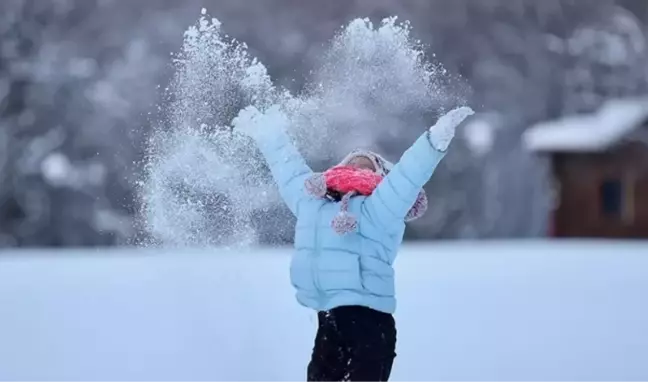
(470,311)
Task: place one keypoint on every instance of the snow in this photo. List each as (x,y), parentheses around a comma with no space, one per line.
(589,132)
(479,134)
(56,168)
(469,311)
(369,82)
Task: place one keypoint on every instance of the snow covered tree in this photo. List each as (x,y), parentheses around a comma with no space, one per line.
(72,90)
(79,77)
(606,58)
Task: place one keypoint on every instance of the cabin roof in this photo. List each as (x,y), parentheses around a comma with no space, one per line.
(593,132)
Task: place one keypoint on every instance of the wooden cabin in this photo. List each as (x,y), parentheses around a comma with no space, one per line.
(600,170)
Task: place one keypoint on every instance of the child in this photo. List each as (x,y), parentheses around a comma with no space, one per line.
(350,224)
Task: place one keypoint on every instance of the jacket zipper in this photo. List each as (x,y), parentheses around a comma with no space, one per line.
(314,272)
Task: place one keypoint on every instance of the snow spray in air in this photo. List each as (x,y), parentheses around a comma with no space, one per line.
(204,185)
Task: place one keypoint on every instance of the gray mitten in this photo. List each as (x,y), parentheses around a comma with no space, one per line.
(443,131)
(257,124)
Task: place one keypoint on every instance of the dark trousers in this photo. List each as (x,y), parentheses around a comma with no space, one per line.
(353,343)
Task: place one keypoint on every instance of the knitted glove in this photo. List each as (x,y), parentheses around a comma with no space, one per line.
(257,124)
(441,133)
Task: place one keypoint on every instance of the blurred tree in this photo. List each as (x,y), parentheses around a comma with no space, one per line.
(79,77)
(527,61)
(73,92)
(606,58)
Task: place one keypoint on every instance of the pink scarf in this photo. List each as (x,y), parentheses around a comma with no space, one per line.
(346,179)
(350,181)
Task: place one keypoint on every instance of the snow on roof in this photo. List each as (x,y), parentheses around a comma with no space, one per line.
(589,132)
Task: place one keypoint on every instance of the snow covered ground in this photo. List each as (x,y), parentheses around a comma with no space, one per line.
(468,311)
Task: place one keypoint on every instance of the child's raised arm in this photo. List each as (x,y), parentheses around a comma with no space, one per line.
(393,198)
(287,166)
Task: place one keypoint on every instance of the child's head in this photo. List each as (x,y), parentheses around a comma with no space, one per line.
(367,160)
(362,162)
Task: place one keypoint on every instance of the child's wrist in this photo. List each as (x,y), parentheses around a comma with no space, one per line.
(439,142)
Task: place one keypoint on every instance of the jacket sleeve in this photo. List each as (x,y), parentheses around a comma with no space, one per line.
(390,202)
(288,167)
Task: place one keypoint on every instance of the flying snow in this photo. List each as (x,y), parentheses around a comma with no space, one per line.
(203,184)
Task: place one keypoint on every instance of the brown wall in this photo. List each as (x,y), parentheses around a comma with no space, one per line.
(580,211)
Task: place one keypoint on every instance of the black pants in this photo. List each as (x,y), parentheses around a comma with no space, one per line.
(353,343)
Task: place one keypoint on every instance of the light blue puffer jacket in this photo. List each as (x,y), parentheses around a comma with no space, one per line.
(330,270)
